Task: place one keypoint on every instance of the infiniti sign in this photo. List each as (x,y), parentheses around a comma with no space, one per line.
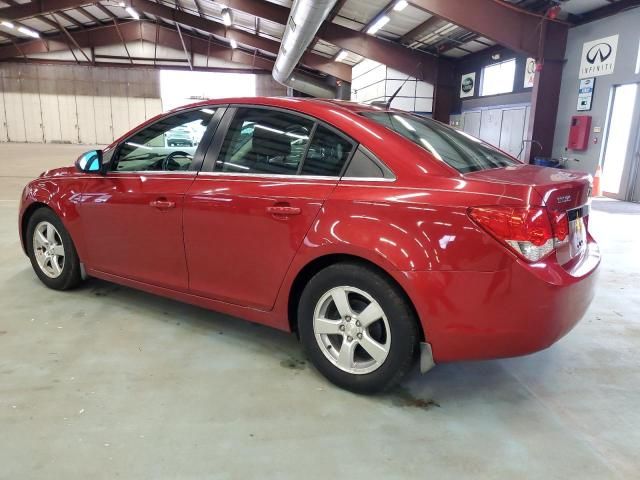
(599,52)
(599,57)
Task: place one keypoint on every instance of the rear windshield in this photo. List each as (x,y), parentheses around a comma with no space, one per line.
(458,149)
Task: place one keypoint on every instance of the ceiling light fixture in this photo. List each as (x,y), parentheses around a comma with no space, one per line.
(400,5)
(133,13)
(233,43)
(342,54)
(226,17)
(7,24)
(381,22)
(28,31)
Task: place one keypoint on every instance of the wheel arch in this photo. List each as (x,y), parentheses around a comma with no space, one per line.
(24,222)
(317,264)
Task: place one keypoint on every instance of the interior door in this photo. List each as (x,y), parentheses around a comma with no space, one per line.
(132,216)
(472,123)
(245,220)
(620,149)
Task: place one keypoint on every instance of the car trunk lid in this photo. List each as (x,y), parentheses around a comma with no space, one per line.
(564,193)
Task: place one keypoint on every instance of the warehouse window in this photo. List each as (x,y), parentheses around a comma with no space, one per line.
(498,78)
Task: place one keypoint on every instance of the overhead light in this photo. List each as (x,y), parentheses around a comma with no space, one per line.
(381,22)
(341,55)
(226,17)
(495,56)
(400,5)
(7,24)
(133,13)
(233,43)
(28,31)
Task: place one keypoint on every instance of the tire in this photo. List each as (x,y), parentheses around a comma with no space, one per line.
(378,352)
(58,268)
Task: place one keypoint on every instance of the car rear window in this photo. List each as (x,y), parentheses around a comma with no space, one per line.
(457,149)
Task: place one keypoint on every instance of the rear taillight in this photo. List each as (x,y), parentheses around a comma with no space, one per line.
(532,233)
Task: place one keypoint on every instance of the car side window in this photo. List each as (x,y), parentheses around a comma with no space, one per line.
(167,145)
(327,154)
(264,141)
(365,164)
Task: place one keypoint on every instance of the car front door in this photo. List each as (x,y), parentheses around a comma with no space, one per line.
(132,216)
(270,172)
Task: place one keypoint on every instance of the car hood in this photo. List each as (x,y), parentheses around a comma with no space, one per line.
(59,172)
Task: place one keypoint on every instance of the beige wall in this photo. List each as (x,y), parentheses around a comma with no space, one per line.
(74,104)
(82,105)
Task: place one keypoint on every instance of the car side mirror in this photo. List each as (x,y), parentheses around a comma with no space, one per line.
(90,162)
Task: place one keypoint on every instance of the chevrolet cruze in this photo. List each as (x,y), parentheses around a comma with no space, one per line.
(378,236)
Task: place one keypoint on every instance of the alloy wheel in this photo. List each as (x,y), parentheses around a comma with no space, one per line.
(352,330)
(48,249)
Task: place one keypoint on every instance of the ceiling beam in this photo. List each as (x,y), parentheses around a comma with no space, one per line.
(607,11)
(430,25)
(505,24)
(411,62)
(108,35)
(311,60)
(40,7)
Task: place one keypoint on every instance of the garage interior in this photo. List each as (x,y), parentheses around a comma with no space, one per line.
(109,381)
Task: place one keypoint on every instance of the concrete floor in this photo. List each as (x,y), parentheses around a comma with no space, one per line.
(106,381)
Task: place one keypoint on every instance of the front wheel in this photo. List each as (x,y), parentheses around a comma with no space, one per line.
(51,251)
(357,327)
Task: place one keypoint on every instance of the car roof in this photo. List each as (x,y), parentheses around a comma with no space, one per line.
(288,102)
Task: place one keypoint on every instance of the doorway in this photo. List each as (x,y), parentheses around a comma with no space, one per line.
(621,152)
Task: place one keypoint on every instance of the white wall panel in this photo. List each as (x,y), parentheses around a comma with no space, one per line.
(120,115)
(137,112)
(512,131)
(152,107)
(103,120)
(3,118)
(87,120)
(471,123)
(490,126)
(68,118)
(13,108)
(50,118)
(32,117)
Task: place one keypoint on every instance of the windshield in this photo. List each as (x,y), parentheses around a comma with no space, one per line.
(457,149)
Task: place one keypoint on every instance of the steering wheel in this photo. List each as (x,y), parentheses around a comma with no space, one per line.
(170,164)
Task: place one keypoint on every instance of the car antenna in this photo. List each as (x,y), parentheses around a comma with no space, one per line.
(387,104)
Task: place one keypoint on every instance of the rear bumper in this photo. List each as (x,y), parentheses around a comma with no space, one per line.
(511,312)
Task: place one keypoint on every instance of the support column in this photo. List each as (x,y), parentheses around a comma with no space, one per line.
(544,109)
(445,91)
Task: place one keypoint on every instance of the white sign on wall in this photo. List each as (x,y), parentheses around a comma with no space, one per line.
(598,57)
(468,85)
(585,94)
(530,72)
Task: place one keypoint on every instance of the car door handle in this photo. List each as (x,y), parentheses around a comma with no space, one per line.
(162,204)
(283,210)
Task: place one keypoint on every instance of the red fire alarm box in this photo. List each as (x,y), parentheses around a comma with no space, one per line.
(579,132)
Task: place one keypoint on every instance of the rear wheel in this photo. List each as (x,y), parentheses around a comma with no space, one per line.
(51,251)
(357,328)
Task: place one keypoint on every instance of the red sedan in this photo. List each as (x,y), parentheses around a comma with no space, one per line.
(374,234)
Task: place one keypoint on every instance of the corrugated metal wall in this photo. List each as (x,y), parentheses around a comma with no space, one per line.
(74,104)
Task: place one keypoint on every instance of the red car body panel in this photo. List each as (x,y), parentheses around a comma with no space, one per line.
(220,246)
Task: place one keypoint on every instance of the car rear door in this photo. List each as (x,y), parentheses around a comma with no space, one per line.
(132,216)
(269,172)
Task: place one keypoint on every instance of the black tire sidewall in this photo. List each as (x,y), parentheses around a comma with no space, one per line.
(400,316)
(70,275)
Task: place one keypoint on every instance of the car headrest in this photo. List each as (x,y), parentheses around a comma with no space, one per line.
(269,143)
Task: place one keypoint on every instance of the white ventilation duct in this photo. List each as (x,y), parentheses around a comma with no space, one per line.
(305,19)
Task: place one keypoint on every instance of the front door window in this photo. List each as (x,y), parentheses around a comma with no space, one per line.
(166,145)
